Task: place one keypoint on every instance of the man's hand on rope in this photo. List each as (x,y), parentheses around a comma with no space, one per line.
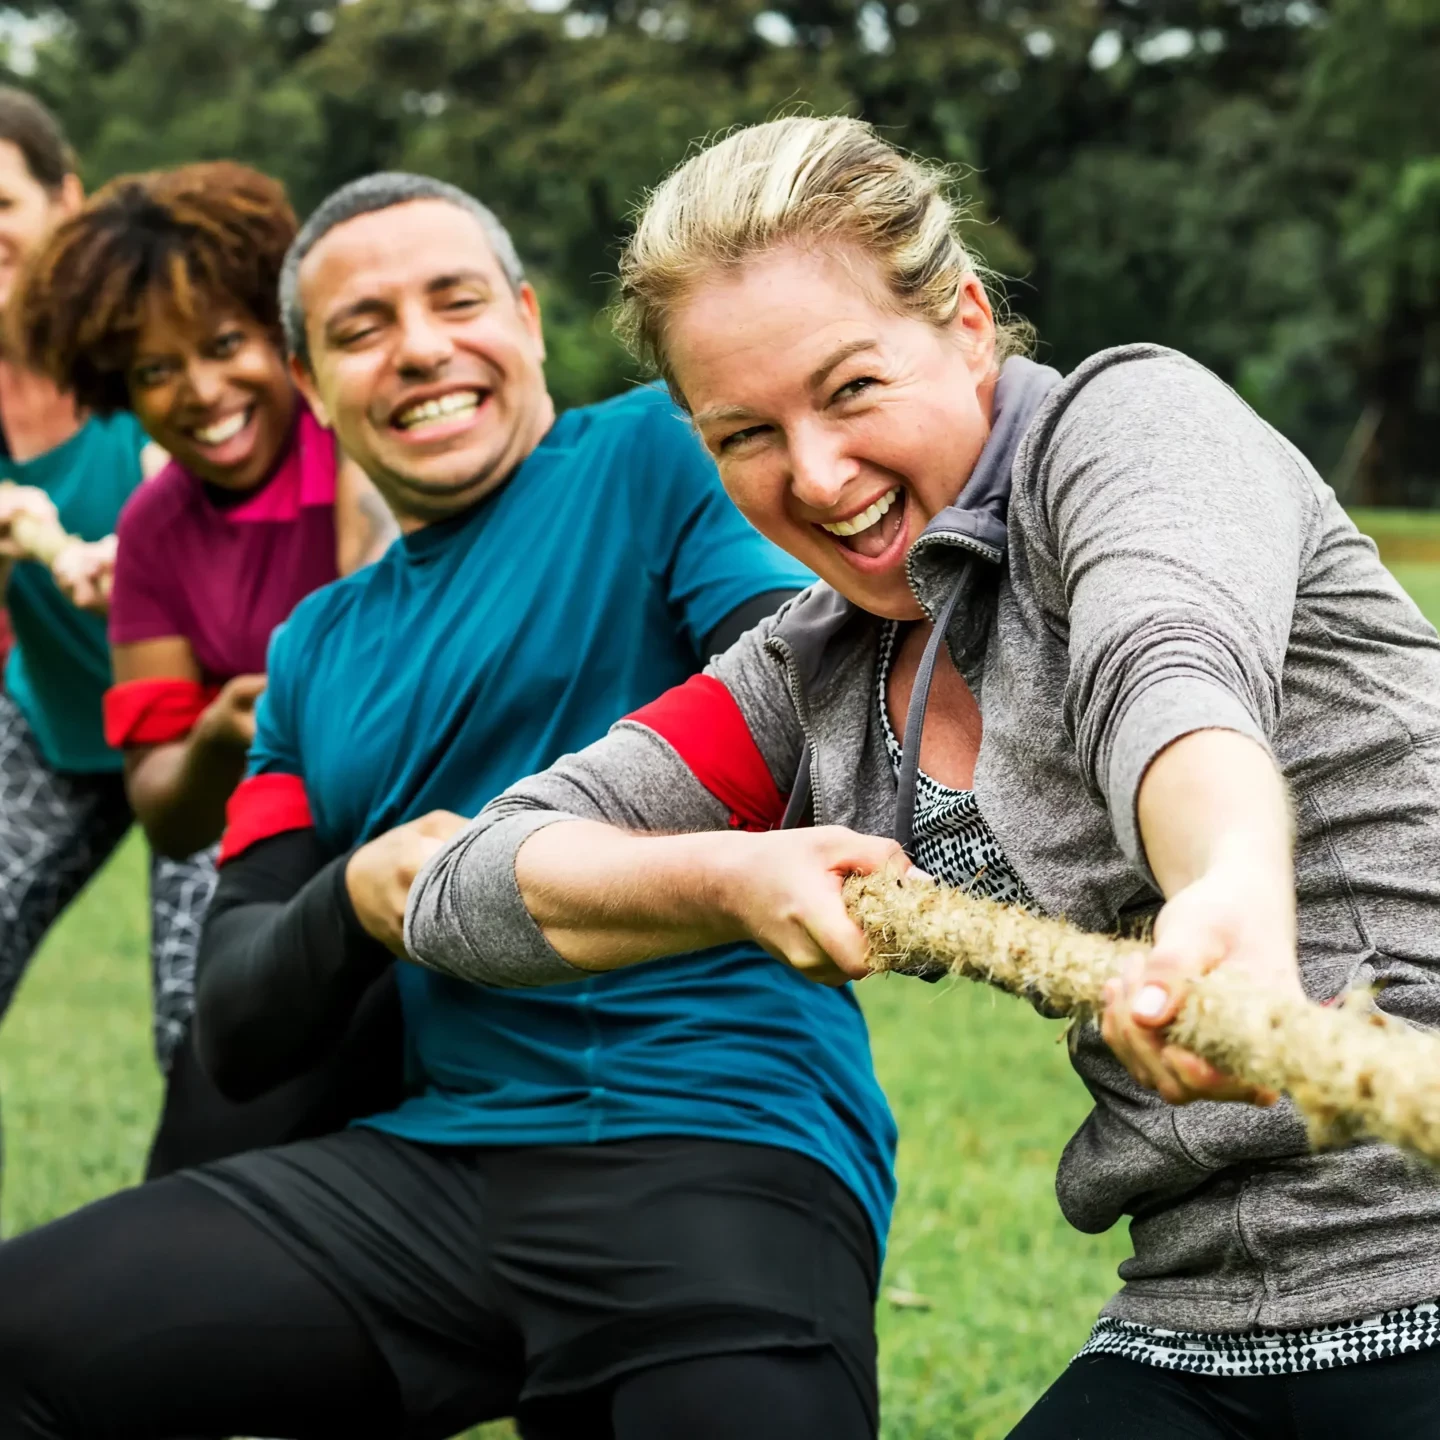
(379,875)
(1238,913)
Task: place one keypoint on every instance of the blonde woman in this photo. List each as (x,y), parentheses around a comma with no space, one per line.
(1173,677)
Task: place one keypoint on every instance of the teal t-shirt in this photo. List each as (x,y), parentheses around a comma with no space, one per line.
(59,667)
(479,650)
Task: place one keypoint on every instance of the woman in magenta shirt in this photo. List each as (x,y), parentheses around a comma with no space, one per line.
(160,297)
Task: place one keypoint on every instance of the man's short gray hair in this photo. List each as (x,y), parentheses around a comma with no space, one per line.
(380,191)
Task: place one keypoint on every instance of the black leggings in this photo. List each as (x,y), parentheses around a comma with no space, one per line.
(165,1311)
(1107,1397)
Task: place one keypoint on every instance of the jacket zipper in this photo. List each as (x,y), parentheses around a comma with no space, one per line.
(781,651)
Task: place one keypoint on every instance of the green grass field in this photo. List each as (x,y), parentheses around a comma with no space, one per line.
(982,1090)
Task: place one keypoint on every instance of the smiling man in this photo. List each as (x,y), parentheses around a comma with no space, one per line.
(647,1204)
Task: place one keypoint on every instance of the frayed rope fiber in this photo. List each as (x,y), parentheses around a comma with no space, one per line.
(1352,1071)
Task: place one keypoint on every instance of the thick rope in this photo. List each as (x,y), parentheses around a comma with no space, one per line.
(1352,1071)
(42,540)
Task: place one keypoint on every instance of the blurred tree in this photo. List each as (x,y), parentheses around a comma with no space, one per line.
(1371,106)
(1254,181)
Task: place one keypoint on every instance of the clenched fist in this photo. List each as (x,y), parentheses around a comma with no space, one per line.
(229,719)
(85,570)
(379,874)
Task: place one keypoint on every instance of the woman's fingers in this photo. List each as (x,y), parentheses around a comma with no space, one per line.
(244,690)
(1136,1050)
(830,924)
(1139,1003)
(1131,1027)
(792,898)
(842,941)
(1204,1082)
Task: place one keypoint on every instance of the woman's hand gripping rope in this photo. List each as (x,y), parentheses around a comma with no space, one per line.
(1352,1071)
(30,529)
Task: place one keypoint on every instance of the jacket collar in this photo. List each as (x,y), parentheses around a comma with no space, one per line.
(975,524)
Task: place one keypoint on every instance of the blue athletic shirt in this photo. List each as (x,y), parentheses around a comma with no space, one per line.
(59,668)
(477,651)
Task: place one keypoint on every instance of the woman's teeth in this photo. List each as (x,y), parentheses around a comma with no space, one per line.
(866,518)
(223,430)
(458,402)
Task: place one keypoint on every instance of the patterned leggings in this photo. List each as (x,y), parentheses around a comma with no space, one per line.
(56,830)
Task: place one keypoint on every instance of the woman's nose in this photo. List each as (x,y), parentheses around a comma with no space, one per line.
(819,470)
(206,381)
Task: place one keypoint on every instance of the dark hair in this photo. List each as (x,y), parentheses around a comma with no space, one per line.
(381,191)
(36,133)
(203,236)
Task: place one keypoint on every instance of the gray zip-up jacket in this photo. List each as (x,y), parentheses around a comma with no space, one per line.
(1167,563)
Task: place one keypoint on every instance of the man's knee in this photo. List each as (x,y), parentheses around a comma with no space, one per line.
(761,1395)
(39,1340)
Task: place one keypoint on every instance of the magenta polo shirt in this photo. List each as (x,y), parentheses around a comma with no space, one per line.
(224,575)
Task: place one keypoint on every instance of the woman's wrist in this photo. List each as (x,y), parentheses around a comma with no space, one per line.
(1255,858)
(721,873)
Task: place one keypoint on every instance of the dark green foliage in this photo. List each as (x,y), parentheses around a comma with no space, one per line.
(1254,181)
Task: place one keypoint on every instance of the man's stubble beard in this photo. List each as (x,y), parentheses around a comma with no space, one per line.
(426,502)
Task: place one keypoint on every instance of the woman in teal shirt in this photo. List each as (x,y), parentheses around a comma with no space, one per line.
(62,796)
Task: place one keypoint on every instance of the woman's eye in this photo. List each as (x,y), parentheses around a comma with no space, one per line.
(227,344)
(146,376)
(738,437)
(852,388)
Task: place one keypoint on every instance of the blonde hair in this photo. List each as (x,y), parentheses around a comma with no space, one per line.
(831,182)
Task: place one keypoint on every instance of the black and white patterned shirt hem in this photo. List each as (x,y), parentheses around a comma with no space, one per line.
(1271,1352)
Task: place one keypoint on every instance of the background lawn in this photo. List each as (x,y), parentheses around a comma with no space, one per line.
(982,1090)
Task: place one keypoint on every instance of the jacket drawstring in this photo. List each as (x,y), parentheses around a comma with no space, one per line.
(915,723)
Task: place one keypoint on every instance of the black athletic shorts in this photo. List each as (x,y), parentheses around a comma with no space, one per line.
(569,1266)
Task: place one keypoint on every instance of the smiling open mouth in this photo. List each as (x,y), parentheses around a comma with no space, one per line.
(223,430)
(458,404)
(873,530)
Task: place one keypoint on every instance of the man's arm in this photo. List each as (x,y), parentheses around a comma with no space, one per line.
(295,939)
(284,962)
(742,618)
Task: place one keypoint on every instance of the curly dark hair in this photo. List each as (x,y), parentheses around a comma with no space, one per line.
(202,236)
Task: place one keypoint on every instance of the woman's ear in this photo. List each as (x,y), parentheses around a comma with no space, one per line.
(71,195)
(973,324)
